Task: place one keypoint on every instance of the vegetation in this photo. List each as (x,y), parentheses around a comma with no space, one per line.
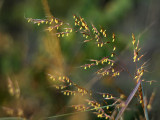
(61,67)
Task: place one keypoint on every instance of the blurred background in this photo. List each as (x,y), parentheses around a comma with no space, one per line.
(28,53)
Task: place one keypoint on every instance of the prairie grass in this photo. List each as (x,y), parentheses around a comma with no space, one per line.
(103,104)
(108,106)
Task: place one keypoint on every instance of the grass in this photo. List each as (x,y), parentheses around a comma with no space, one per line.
(99,37)
(106,105)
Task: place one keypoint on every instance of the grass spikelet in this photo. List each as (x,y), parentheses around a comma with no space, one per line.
(10,87)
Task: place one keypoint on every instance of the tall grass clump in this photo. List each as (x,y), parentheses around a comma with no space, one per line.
(105,105)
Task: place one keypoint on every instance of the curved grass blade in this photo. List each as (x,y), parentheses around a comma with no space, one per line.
(62,115)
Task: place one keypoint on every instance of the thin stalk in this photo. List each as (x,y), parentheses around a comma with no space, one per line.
(128,100)
(145,106)
(62,115)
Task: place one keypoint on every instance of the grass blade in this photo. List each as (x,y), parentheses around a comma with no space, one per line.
(128,100)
